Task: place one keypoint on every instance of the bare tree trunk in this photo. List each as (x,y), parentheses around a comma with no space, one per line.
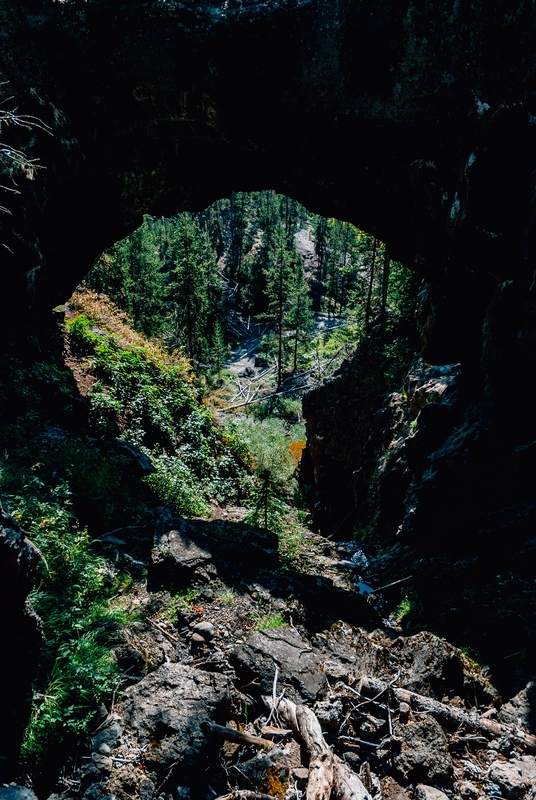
(368,311)
(385,285)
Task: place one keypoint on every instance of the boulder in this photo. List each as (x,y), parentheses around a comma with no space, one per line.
(175,557)
(346,653)
(184,551)
(165,713)
(423,792)
(514,777)
(300,670)
(521,709)
(423,753)
(109,736)
(430,666)
(268,772)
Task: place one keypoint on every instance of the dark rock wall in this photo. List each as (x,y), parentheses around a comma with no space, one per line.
(21,638)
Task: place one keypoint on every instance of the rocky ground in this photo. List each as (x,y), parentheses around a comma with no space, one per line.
(228,653)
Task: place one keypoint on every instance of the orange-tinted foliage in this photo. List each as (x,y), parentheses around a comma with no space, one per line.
(296,449)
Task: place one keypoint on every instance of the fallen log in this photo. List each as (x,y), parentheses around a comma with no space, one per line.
(245,794)
(327,773)
(450,715)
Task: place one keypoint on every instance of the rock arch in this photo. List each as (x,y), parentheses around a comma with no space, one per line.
(413,120)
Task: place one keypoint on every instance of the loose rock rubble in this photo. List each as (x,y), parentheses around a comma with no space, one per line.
(238,690)
(191,731)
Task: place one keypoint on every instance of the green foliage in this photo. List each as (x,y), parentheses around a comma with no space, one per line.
(292,542)
(146,395)
(77,668)
(272,620)
(182,600)
(227,597)
(404,609)
(269,442)
(164,276)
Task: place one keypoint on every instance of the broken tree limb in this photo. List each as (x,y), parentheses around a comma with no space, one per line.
(346,784)
(232,735)
(320,780)
(245,794)
(450,715)
(327,773)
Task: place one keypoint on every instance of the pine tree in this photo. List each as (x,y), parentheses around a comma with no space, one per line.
(192,263)
(130,273)
(278,279)
(219,349)
(299,317)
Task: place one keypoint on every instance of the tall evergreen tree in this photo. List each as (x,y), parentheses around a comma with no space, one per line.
(192,263)
(299,318)
(278,279)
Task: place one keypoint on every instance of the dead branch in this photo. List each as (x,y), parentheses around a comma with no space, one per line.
(327,773)
(450,715)
(346,784)
(245,794)
(232,735)
(162,630)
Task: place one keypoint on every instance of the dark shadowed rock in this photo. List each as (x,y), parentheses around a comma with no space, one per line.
(429,665)
(521,709)
(16,793)
(175,557)
(347,653)
(423,753)
(109,735)
(300,670)
(184,550)
(265,771)
(20,636)
(166,711)
(141,462)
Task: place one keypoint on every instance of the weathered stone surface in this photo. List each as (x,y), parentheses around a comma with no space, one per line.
(346,653)
(423,792)
(429,665)
(174,559)
(514,777)
(300,669)
(187,550)
(423,752)
(110,736)
(521,709)
(204,629)
(166,711)
(266,771)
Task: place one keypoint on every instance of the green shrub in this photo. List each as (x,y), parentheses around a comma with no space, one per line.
(146,395)
(76,668)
